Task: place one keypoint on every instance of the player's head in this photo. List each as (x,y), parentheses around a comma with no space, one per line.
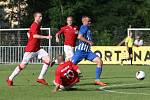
(69,20)
(37,17)
(86,20)
(130,34)
(60,59)
(137,37)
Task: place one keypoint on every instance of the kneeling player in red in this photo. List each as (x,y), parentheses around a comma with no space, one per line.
(66,74)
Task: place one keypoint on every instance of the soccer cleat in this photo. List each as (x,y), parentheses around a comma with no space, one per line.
(9,82)
(42,81)
(100,83)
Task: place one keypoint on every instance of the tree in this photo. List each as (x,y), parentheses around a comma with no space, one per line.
(110,18)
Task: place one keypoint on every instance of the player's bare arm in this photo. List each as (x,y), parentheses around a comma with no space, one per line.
(41,36)
(80,37)
(57,38)
(28,35)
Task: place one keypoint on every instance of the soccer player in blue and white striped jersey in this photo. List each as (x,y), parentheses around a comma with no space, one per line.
(83,50)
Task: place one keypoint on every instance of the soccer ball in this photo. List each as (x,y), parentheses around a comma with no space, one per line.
(140,75)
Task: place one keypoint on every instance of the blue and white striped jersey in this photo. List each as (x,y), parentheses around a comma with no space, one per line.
(85,31)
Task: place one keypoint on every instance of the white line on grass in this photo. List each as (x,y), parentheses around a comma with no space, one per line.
(111,91)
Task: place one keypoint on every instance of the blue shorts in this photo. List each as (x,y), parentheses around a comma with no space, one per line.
(79,55)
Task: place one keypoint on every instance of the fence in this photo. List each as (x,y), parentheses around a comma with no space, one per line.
(14,54)
(13,41)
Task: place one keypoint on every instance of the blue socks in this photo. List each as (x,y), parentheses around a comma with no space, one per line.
(98,72)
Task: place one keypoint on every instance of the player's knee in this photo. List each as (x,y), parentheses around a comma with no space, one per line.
(46,59)
(99,62)
(22,66)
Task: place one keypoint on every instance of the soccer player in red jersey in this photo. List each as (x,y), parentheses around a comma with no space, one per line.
(70,32)
(33,50)
(66,74)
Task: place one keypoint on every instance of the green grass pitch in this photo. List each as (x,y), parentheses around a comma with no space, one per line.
(122,84)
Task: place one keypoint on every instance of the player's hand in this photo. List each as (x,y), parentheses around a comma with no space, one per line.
(57,40)
(54,91)
(90,42)
(49,37)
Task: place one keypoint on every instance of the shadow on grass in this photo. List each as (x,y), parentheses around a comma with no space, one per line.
(81,84)
(81,89)
(86,78)
(115,77)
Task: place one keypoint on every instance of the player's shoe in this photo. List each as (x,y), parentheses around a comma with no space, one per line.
(9,82)
(52,62)
(97,82)
(42,81)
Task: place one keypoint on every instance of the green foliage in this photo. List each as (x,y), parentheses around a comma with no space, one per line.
(110,17)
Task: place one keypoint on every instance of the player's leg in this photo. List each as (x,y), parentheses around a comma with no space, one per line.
(94,58)
(27,57)
(77,57)
(131,58)
(42,54)
(124,57)
(130,55)
(68,52)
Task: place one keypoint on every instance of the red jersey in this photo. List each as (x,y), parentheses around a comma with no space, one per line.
(70,33)
(66,74)
(33,44)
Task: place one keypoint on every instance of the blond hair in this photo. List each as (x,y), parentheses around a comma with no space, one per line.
(35,14)
(85,18)
(70,17)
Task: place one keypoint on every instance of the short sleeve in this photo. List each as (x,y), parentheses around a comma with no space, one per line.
(83,30)
(34,29)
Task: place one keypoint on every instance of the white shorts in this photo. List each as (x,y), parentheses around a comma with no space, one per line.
(30,55)
(69,51)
